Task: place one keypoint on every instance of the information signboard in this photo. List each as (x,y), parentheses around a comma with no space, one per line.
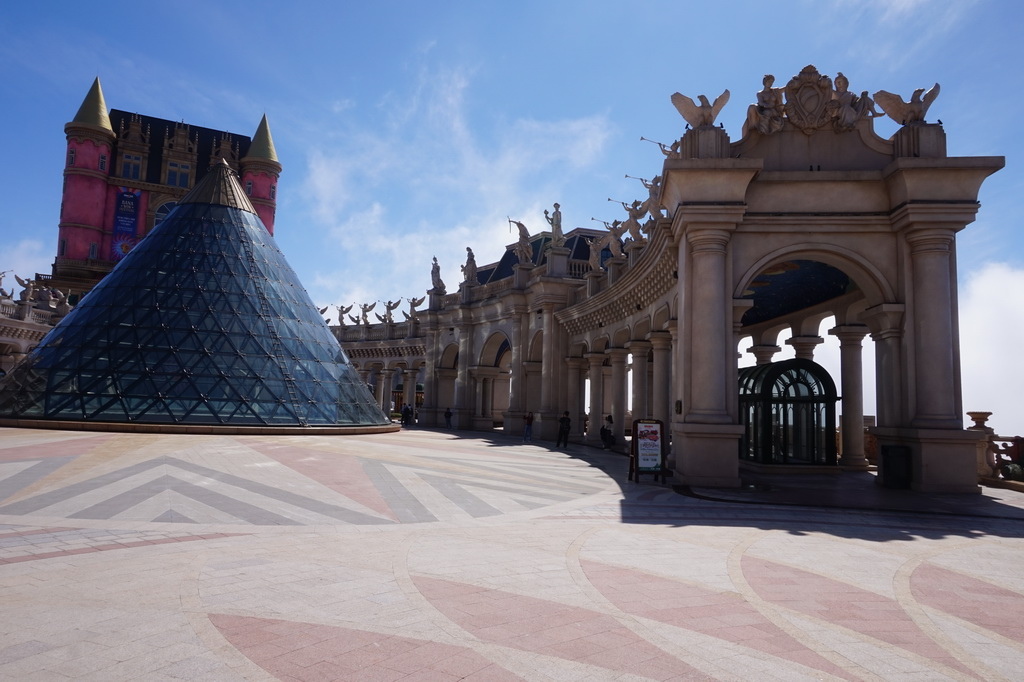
(647,452)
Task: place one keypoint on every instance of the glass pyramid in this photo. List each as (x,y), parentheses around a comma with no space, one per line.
(202,323)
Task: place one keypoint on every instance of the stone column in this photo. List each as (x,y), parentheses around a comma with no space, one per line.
(618,362)
(575,397)
(463,408)
(936,380)
(596,372)
(852,378)
(548,384)
(804,345)
(385,397)
(639,350)
(661,342)
(885,322)
(763,353)
(409,386)
(708,400)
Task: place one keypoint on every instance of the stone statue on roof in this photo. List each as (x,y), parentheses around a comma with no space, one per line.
(342,312)
(555,221)
(469,269)
(905,113)
(768,115)
(436,282)
(366,308)
(523,248)
(701,115)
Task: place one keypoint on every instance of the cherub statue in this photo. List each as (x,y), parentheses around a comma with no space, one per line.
(62,306)
(355,319)
(390,306)
(633,222)
(701,115)
(595,253)
(905,113)
(612,239)
(342,312)
(555,221)
(435,278)
(366,308)
(469,269)
(524,249)
(651,204)
(381,318)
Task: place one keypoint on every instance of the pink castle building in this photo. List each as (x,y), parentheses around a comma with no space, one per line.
(125,172)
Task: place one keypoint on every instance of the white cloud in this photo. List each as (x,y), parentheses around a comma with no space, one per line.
(421,183)
(25,259)
(991,327)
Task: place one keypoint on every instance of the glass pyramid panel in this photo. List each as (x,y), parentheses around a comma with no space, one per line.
(204,322)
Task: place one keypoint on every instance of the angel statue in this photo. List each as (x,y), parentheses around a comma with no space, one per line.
(635,211)
(355,319)
(524,249)
(366,308)
(701,115)
(413,304)
(907,112)
(391,305)
(342,312)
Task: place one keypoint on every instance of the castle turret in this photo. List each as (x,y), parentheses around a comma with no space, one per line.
(260,170)
(90,143)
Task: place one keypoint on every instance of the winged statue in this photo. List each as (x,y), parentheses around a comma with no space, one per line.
(907,112)
(701,115)
(342,312)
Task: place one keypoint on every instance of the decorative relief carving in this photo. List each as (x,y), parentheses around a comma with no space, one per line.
(808,99)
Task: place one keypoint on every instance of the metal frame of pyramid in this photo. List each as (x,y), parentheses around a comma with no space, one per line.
(203,323)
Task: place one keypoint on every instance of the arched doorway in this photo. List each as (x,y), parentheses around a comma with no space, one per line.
(788,411)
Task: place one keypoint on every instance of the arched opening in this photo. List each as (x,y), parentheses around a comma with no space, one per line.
(788,411)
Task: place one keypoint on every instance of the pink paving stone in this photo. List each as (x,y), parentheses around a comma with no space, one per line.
(845,605)
(708,612)
(976,601)
(613,639)
(341,473)
(59,448)
(309,651)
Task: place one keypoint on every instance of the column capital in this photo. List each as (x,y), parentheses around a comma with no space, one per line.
(617,355)
(804,345)
(576,363)
(660,340)
(763,353)
(639,346)
(849,333)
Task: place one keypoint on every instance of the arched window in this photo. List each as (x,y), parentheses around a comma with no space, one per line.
(789,413)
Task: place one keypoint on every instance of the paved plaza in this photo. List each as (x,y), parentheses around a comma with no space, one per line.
(432,555)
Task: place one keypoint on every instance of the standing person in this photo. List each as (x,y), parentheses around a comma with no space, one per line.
(448,417)
(606,433)
(564,427)
(528,427)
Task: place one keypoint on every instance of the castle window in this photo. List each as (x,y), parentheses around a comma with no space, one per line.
(131,166)
(93,250)
(71,157)
(248,187)
(178,174)
(273,192)
(62,247)
(103,162)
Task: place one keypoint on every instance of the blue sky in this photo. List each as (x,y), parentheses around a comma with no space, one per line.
(414,129)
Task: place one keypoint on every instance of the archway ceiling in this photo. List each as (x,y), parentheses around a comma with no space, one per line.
(792,286)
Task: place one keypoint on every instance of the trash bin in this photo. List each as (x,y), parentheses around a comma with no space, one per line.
(895,466)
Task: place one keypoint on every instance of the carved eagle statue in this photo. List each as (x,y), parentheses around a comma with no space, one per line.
(699,115)
(907,112)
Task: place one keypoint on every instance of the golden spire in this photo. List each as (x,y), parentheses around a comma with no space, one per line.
(262,146)
(93,111)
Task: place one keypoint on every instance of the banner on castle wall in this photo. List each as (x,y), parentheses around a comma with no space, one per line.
(126,222)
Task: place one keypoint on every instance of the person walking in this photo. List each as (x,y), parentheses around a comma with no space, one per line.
(607,438)
(448,417)
(564,427)
(528,428)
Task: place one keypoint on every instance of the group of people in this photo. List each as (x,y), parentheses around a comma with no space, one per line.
(565,428)
(408,415)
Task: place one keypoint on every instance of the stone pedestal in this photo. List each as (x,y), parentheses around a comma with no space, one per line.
(616,267)
(705,142)
(558,261)
(707,454)
(924,140)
